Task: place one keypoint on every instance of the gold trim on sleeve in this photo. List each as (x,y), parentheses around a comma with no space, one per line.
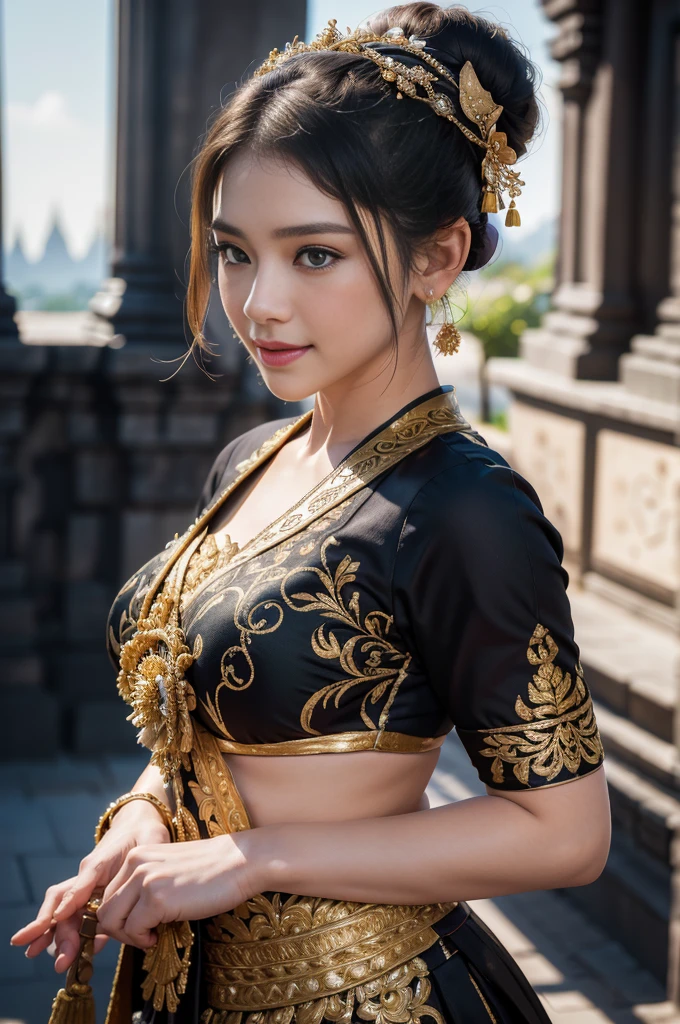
(334,743)
(560,732)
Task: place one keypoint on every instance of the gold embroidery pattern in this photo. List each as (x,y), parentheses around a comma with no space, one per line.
(311,959)
(367,656)
(271,444)
(219,804)
(167,971)
(152,680)
(389,999)
(254,617)
(438,415)
(560,732)
(482,999)
(206,560)
(403,436)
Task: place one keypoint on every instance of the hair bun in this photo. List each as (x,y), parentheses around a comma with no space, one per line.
(454,35)
(479,257)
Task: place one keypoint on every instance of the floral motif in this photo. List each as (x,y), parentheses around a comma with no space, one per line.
(561,730)
(153,663)
(368,656)
(206,560)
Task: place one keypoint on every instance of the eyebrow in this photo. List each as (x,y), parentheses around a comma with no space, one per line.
(293,231)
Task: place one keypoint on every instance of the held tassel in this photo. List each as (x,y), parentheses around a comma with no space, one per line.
(512,218)
(490,203)
(74,1004)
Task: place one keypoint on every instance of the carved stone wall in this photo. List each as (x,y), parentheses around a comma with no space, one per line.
(596,429)
(549,450)
(101,461)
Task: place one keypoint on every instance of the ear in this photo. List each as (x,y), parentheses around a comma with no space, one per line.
(441,261)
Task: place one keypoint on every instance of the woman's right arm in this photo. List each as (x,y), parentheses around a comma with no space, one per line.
(138,823)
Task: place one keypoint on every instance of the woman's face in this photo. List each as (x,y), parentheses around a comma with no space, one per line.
(295,281)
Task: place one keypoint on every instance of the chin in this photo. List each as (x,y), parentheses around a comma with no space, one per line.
(287,388)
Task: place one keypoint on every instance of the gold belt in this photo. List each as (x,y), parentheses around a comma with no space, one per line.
(270,954)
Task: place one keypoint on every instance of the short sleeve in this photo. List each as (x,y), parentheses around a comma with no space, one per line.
(481,594)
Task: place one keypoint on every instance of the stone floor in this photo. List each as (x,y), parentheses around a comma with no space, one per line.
(46,816)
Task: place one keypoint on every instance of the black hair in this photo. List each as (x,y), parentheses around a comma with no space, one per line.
(332,114)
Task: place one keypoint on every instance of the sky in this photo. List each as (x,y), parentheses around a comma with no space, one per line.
(58,112)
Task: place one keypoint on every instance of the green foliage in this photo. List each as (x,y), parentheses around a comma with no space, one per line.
(517,299)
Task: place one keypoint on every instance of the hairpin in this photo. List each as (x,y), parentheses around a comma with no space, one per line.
(476,102)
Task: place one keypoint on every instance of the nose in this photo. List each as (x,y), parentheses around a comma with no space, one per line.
(268,298)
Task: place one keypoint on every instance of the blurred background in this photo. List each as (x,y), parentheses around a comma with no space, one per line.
(570,366)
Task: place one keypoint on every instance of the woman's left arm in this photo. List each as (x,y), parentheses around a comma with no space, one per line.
(485,846)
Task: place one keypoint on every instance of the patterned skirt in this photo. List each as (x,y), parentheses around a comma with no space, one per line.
(282,959)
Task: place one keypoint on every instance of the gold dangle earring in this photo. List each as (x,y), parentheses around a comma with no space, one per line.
(447,340)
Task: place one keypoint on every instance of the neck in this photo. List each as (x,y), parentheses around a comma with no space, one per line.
(348,411)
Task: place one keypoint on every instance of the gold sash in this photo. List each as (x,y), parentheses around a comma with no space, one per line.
(306,958)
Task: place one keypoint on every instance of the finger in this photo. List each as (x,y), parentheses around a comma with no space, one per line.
(140,926)
(44,918)
(99,943)
(138,857)
(41,943)
(124,873)
(67,941)
(78,892)
(114,910)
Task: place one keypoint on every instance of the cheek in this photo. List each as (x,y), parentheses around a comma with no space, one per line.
(346,314)
(233,291)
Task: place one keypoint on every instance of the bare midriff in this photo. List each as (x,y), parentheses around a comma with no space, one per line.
(331,787)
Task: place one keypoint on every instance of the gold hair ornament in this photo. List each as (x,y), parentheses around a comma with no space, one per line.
(477,103)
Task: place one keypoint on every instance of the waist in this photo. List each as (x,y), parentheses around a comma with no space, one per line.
(280,951)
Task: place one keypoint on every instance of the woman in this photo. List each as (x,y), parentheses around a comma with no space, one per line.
(359,580)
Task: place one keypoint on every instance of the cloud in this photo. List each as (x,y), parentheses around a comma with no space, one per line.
(49,111)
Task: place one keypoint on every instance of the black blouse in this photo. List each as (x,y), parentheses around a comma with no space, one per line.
(417,588)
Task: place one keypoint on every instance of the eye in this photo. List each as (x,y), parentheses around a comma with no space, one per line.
(315,258)
(230,253)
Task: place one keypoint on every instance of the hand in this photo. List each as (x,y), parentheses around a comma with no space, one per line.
(59,917)
(183,882)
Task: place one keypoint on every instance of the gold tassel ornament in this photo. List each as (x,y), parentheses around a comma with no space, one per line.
(490,202)
(74,1004)
(512,218)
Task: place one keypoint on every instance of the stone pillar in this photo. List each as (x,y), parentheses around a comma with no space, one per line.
(596,305)
(652,369)
(176,61)
(166,421)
